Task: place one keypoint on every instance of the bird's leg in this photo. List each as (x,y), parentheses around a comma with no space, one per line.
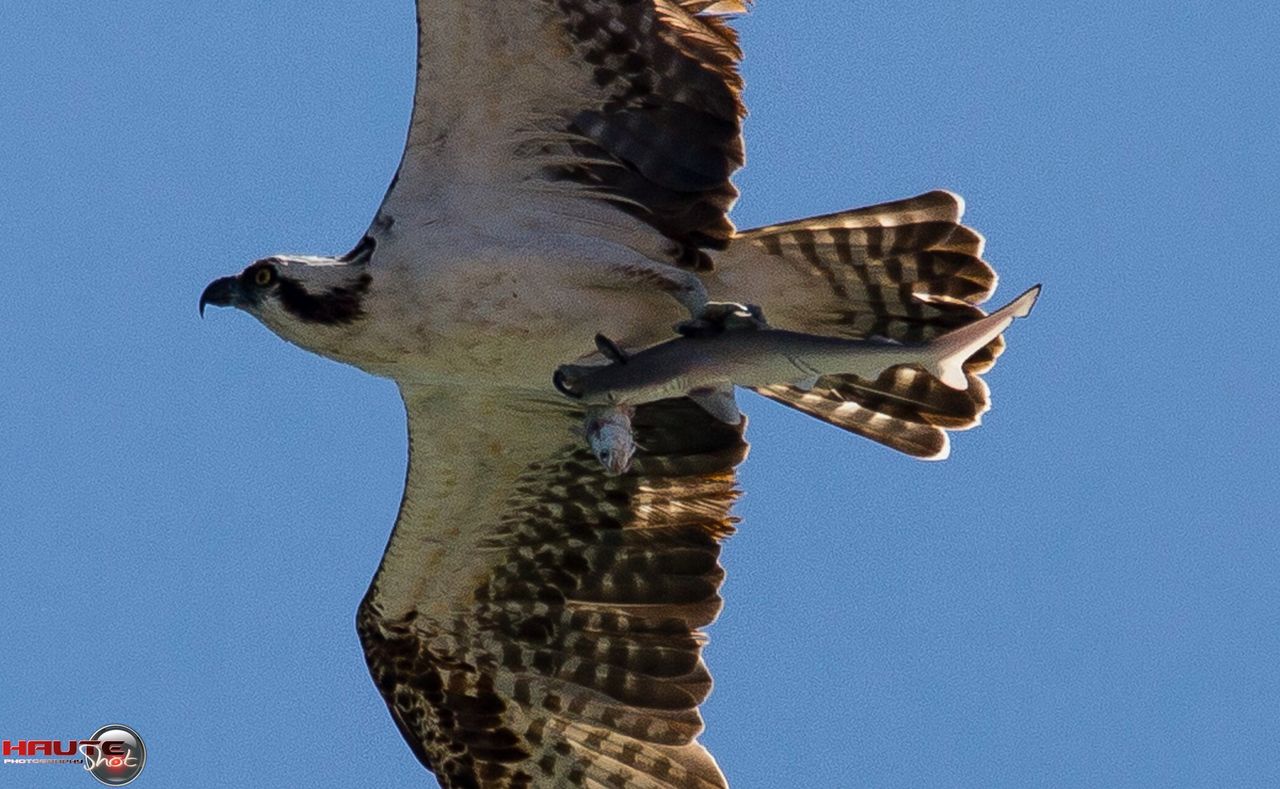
(706,317)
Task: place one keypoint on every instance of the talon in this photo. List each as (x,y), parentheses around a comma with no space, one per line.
(719,316)
(698,328)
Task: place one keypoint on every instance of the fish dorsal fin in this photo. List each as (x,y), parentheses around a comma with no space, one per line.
(611,350)
(719,402)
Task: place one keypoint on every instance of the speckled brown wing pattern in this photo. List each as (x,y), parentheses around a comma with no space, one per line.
(672,116)
(634,102)
(575,657)
(907,271)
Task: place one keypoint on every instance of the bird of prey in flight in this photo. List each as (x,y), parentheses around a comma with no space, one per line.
(536,621)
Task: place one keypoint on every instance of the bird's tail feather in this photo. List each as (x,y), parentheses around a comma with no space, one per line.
(908,271)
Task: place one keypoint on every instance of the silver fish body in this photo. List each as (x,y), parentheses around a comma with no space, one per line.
(702,366)
(743,358)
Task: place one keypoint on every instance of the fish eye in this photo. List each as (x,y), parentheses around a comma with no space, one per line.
(264,276)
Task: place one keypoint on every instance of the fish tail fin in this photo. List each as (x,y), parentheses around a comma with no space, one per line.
(912,407)
(946,355)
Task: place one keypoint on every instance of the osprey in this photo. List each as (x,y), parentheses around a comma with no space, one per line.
(535,620)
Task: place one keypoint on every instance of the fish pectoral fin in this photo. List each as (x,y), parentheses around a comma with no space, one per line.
(719,402)
(611,350)
(807,384)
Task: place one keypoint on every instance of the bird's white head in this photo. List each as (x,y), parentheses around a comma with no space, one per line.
(305,300)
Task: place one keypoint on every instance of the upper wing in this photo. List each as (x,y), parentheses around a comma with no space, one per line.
(535,622)
(634,103)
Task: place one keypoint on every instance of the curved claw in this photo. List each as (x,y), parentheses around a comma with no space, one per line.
(721,316)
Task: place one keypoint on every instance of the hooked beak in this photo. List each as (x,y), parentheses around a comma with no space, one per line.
(223,292)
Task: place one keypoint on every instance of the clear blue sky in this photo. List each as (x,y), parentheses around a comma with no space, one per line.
(1086,594)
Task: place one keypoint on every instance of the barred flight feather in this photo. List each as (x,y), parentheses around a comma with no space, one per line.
(575,658)
(672,114)
(636,103)
(906,271)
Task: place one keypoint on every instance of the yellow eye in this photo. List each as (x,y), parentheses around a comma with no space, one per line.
(264,277)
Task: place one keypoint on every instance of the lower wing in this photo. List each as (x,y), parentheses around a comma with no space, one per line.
(536,622)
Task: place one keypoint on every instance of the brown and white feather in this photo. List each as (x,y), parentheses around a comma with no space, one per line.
(630,106)
(907,271)
(536,622)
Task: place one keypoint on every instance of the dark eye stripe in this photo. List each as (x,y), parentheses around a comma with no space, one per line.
(334,306)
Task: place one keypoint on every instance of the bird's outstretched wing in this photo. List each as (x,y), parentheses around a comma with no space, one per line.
(632,105)
(535,622)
